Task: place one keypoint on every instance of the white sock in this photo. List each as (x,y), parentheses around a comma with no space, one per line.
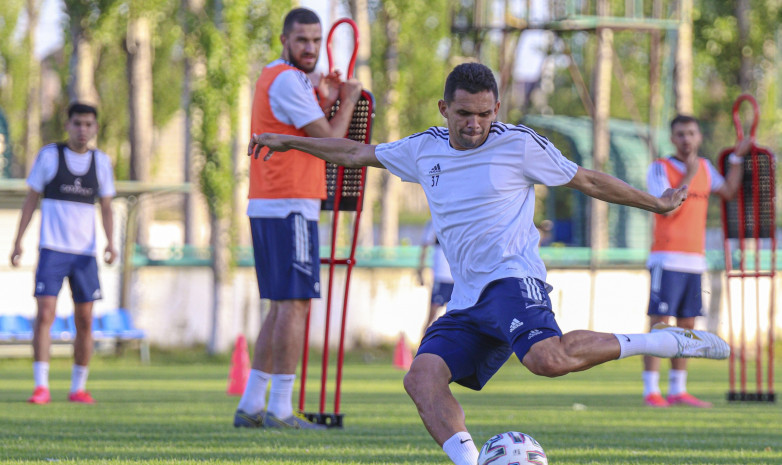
(280,394)
(657,344)
(79,378)
(677,382)
(41,374)
(651,382)
(461,449)
(254,397)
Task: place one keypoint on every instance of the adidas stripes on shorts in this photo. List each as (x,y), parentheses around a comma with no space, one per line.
(510,316)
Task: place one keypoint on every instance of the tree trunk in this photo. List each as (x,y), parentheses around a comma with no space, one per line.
(742,18)
(221,257)
(193,71)
(82,66)
(32,135)
(598,236)
(389,219)
(359,9)
(684,82)
(138,47)
(655,94)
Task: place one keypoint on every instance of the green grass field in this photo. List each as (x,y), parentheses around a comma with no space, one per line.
(176,411)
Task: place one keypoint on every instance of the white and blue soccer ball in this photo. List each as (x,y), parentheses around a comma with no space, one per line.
(512,448)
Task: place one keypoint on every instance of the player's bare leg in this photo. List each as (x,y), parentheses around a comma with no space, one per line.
(82,345)
(427,384)
(288,336)
(581,350)
(41,343)
(42,339)
(82,353)
(574,351)
(262,353)
(651,374)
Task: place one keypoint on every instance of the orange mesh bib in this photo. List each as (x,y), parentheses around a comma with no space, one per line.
(685,229)
(288,175)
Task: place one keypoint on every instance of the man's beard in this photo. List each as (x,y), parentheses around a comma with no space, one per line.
(296,63)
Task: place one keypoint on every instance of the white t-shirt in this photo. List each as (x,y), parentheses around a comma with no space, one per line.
(482,200)
(69,226)
(440,269)
(292,102)
(656,183)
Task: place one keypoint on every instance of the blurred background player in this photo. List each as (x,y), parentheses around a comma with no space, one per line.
(678,256)
(70,177)
(442,283)
(284,208)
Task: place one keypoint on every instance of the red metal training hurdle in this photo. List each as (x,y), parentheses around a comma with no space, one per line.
(345,193)
(749,223)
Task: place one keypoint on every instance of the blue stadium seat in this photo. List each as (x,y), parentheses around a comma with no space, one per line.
(118,323)
(15,328)
(60,330)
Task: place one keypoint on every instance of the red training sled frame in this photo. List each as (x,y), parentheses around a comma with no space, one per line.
(748,220)
(345,192)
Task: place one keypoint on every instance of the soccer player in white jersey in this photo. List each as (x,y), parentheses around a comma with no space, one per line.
(70,178)
(478,176)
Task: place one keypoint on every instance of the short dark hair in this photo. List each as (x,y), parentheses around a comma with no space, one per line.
(472,77)
(301,16)
(683,119)
(81,109)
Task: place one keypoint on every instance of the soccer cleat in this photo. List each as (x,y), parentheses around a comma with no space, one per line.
(243,419)
(81,397)
(296,421)
(687,399)
(655,400)
(40,396)
(694,343)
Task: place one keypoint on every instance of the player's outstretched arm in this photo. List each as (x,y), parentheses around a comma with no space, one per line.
(610,189)
(344,152)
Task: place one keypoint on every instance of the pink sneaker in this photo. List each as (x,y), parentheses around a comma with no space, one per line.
(82,397)
(655,399)
(687,399)
(40,396)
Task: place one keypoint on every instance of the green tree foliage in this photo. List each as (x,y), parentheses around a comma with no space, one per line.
(424,61)
(13,71)
(717,61)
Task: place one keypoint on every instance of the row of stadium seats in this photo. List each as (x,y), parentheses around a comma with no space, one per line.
(116,325)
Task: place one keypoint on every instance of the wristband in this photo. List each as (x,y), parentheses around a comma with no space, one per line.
(734,159)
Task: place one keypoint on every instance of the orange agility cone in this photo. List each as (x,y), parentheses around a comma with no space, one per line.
(240,368)
(402,356)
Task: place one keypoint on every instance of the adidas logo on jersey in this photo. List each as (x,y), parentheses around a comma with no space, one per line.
(534,333)
(515,324)
(435,169)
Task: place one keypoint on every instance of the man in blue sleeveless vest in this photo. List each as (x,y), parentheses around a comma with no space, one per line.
(70,177)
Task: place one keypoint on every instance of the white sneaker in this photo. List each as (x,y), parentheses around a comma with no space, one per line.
(694,343)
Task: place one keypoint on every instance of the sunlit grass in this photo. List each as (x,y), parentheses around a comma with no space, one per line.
(176,411)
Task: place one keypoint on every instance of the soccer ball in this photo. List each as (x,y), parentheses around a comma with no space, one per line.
(512,448)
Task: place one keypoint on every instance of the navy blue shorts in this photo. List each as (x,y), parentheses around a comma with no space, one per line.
(441,292)
(674,293)
(510,316)
(287,257)
(81,271)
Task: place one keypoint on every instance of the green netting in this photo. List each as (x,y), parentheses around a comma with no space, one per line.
(628,160)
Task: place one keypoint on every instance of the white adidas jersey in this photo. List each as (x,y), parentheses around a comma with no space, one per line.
(482,200)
